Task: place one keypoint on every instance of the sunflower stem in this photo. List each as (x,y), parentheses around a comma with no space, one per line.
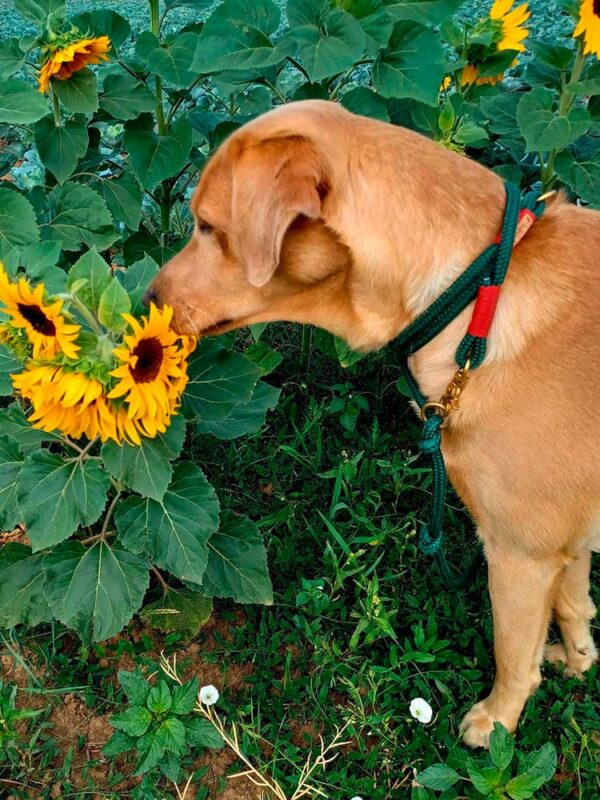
(86,314)
(56,109)
(165,586)
(565,104)
(72,444)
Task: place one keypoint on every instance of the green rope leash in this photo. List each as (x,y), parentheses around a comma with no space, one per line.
(487,272)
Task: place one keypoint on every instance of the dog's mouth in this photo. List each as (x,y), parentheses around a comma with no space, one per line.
(219,327)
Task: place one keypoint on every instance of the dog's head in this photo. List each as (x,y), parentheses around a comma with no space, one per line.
(259,251)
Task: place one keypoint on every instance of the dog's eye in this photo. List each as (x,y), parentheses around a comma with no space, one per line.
(204,228)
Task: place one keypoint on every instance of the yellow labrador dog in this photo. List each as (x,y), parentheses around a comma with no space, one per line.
(315,215)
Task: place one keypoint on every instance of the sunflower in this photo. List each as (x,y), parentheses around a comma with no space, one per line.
(589,26)
(153,372)
(510,31)
(67,401)
(67,58)
(45,327)
(511,22)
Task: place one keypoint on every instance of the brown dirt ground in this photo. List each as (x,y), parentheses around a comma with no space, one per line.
(72,724)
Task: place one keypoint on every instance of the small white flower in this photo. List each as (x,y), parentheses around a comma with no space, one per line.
(208,695)
(356,798)
(421,710)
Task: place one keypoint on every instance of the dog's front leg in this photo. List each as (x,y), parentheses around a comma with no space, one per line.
(521,588)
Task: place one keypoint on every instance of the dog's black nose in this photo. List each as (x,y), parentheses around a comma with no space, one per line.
(149,296)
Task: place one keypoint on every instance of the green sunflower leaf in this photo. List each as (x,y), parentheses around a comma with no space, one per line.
(56,495)
(78,216)
(219,380)
(79,93)
(94,590)
(155,157)
(20,103)
(94,270)
(411,66)
(125,97)
(11,461)
(237,563)
(181,611)
(8,365)
(114,302)
(173,532)
(18,225)
(60,147)
(21,580)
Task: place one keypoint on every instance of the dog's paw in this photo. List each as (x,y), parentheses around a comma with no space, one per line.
(477,725)
(575,664)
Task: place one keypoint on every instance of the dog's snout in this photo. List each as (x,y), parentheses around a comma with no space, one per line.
(150,296)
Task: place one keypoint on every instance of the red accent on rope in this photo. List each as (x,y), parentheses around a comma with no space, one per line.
(526,220)
(483,313)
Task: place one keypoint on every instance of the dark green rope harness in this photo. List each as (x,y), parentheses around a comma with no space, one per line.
(488,271)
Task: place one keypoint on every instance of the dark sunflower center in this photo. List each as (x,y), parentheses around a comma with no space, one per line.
(37,319)
(596,7)
(149,354)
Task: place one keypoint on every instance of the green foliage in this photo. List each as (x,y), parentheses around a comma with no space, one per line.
(492,775)
(160,725)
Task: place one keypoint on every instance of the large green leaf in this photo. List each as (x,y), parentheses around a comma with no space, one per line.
(8,365)
(218,380)
(501,111)
(38,11)
(438,777)
(144,468)
(502,746)
(56,496)
(134,721)
(175,531)
(581,174)
(170,61)
(11,57)
(361,100)
(202,733)
(330,43)
(411,66)
(124,97)
(21,103)
(94,590)
(375,21)
(136,280)
(155,157)
(18,225)
(114,302)
(428,12)
(180,611)
(102,22)
(39,256)
(78,215)
(93,269)
(543,128)
(245,417)
(21,580)
(237,36)
(14,424)
(79,93)
(123,197)
(237,563)
(60,147)
(539,769)
(11,460)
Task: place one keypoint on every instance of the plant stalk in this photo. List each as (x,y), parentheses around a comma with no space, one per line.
(565,104)
(56,109)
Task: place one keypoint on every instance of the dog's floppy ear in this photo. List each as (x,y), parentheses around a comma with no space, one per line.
(274,181)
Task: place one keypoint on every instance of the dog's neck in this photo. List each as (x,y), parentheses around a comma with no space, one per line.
(442,211)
